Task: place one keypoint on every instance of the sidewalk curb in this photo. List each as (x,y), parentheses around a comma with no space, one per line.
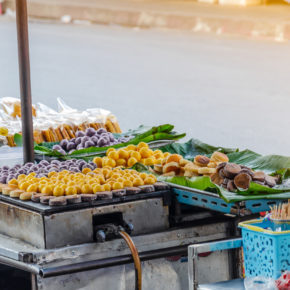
(210,24)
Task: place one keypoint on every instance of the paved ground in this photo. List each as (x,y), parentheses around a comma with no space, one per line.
(223,91)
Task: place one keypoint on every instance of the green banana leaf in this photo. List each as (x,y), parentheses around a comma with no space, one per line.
(255,191)
(268,164)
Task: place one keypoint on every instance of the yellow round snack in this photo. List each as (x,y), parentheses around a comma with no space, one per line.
(31,174)
(58,191)
(138,182)
(145,152)
(98,161)
(107,172)
(132,161)
(86,170)
(51,173)
(166,154)
(13,182)
(71,190)
(24,185)
(109,162)
(97,170)
(97,188)
(117,185)
(32,188)
(123,154)
(121,162)
(110,150)
(149,161)
(131,147)
(127,183)
(107,187)
(86,188)
(142,145)
(149,180)
(143,175)
(21,177)
(152,176)
(136,155)
(47,190)
(113,155)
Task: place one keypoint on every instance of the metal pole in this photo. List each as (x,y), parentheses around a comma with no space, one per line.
(24,77)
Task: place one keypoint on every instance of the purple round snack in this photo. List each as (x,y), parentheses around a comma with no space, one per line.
(6,167)
(90,132)
(56,147)
(63,143)
(62,152)
(80,147)
(102,142)
(80,134)
(78,140)
(89,144)
(95,139)
(101,131)
(3,179)
(70,146)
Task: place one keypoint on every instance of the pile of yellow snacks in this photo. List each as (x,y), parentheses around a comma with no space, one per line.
(174,165)
(130,155)
(50,125)
(87,182)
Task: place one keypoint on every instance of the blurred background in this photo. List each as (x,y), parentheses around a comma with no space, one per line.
(216,69)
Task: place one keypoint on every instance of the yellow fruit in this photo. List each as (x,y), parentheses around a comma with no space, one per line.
(71,190)
(136,155)
(52,173)
(127,183)
(107,172)
(107,187)
(97,188)
(87,188)
(121,162)
(132,161)
(113,155)
(149,180)
(58,190)
(117,185)
(13,182)
(143,175)
(97,170)
(145,152)
(98,161)
(102,179)
(24,185)
(21,177)
(142,145)
(123,154)
(32,188)
(109,162)
(131,147)
(86,170)
(110,150)
(138,182)
(149,161)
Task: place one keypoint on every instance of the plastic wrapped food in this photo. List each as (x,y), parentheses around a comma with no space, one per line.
(50,125)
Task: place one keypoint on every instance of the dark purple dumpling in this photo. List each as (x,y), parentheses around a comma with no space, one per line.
(70,146)
(90,132)
(80,134)
(6,167)
(80,146)
(63,143)
(78,140)
(102,142)
(56,147)
(89,144)
(101,131)
(3,179)
(95,139)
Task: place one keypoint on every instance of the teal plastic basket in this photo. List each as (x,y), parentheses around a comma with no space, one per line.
(266,251)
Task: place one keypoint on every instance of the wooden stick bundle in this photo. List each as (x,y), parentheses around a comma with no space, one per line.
(281,211)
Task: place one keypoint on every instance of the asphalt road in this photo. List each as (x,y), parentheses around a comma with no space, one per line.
(224,91)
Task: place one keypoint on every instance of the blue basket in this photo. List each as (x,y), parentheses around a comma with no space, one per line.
(266,251)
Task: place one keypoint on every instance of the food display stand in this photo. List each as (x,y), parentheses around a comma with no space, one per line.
(95,243)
